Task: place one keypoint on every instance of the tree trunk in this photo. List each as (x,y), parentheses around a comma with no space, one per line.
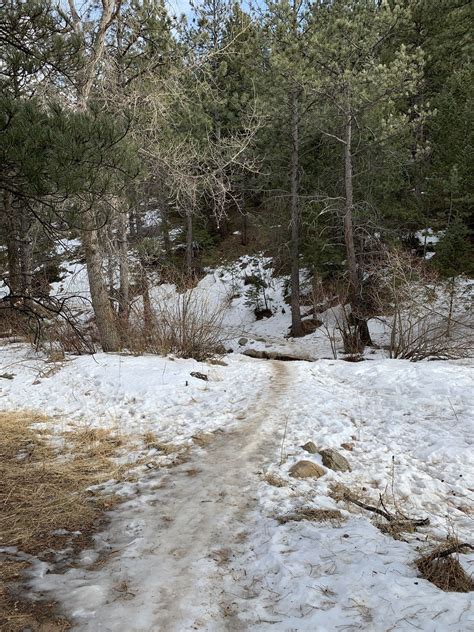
(355,286)
(147,307)
(296,324)
(165,227)
(124,271)
(104,314)
(27,227)
(244,233)
(189,244)
(12,240)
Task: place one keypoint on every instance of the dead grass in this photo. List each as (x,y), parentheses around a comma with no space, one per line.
(314,515)
(202,439)
(46,478)
(442,567)
(274,480)
(340,492)
(151,441)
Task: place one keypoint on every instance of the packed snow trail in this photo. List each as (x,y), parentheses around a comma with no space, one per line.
(172,541)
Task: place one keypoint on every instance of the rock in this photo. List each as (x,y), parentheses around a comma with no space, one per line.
(311,325)
(306,469)
(199,376)
(347,446)
(310,447)
(260,314)
(253,279)
(242,341)
(272,355)
(254,353)
(334,461)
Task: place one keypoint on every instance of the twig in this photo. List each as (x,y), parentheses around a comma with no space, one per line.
(415,522)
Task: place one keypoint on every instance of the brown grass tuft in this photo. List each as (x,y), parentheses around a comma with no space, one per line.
(314,515)
(274,480)
(442,568)
(151,441)
(46,478)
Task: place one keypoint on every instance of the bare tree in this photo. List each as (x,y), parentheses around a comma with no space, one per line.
(92,49)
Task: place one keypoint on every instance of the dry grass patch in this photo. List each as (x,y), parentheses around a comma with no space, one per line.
(314,515)
(274,480)
(151,441)
(203,439)
(442,567)
(340,492)
(45,497)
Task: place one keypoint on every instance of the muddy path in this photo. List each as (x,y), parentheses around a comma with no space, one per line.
(170,545)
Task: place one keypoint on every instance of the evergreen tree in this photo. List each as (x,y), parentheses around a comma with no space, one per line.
(357,88)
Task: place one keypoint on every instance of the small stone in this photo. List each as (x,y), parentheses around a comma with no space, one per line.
(310,447)
(199,376)
(242,341)
(347,446)
(334,461)
(306,469)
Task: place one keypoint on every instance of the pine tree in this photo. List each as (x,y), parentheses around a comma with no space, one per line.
(357,88)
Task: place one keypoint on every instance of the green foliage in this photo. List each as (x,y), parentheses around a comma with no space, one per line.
(47,150)
(454,253)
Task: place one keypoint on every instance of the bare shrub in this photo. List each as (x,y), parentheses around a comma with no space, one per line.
(348,329)
(424,318)
(48,323)
(186,324)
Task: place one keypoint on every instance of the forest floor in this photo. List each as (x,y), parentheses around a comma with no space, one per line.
(205,539)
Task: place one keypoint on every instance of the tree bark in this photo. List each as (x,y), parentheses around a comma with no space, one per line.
(104,314)
(12,237)
(296,324)
(189,244)
(355,285)
(124,270)
(148,320)
(244,234)
(165,227)
(27,228)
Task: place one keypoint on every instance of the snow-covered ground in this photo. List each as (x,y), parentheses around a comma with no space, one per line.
(128,394)
(198,546)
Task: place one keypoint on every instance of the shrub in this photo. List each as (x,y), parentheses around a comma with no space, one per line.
(185,324)
(425,317)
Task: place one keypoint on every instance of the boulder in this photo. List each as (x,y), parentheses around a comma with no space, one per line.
(272,355)
(334,461)
(306,469)
(310,447)
(242,341)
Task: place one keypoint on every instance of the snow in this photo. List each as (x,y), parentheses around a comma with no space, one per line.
(126,393)
(429,236)
(198,546)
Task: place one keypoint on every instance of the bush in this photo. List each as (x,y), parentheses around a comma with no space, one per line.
(185,324)
(426,319)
